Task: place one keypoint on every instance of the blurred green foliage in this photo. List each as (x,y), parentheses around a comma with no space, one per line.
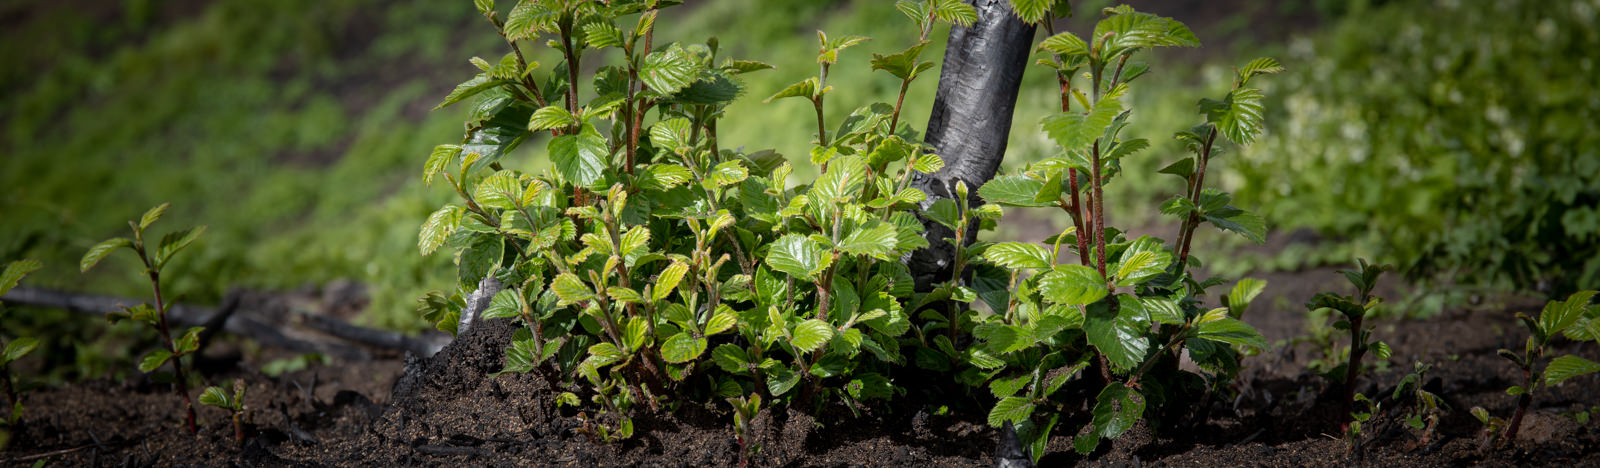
(1453,137)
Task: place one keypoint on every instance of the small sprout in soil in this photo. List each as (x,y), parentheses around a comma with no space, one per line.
(215,396)
(1574,318)
(744,410)
(13,350)
(1355,310)
(1352,431)
(1426,407)
(173,348)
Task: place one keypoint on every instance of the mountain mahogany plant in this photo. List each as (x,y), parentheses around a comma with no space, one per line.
(1576,319)
(1355,310)
(240,414)
(651,261)
(653,264)
(13,350)
(174,347)
(1126,308)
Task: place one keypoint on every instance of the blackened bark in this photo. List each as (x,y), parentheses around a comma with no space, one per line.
(971,119)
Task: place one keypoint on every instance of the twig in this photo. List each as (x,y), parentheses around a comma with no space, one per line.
(241,323)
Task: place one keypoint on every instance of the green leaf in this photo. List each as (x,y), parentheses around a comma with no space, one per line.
(1118,335)
(1065,44)
(944,211)
(18,348)
(710,89)
(739,67)
(876,239)
(152,215)
(1001,339)
(1012,190)
(806,89)
(1075,131)
(582,158)
(154,360)
(682,347)
(669,70)
(1558,315)
(721,322)
(668,280)
(1565,367)
(1084,444)
(469,88)
(570,289)
(732,359)
(189,341)
(928,163)
(602,34)
(903,65)
(1231,331)
(1260,66)
(439,161)
(1032,11)
(1019,255)
(1238,116)
(436,229)
(1247,224)
(1242,293)
(99,251)
(483,255)
(1379,349)
(1117,409)
(602,354)
(664,176)
(811,334)
(500,124)
(1130,29)
(955,12)
(798,256)
(500,190)
(15,271)
(728,173)
(1183,168)
(549,117)
(1072,285)
(869,385)
(174,242)
(215,396)
(672,135)
(845,177)
(504,305)
(1141,261)
(781,379)
(1013,409)
(1162,310)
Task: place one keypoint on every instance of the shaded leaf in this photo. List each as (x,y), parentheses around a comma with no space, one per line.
(15,271)
(1565,367)
(1011,409)
(99,251)
(682,347)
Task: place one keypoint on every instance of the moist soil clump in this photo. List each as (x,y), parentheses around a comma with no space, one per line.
(447,410)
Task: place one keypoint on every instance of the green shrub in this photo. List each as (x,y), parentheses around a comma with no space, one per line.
(1450,138)
(650,264)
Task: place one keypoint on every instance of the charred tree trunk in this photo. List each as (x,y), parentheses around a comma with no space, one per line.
(971,120)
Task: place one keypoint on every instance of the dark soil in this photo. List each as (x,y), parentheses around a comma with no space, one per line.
(447,411)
